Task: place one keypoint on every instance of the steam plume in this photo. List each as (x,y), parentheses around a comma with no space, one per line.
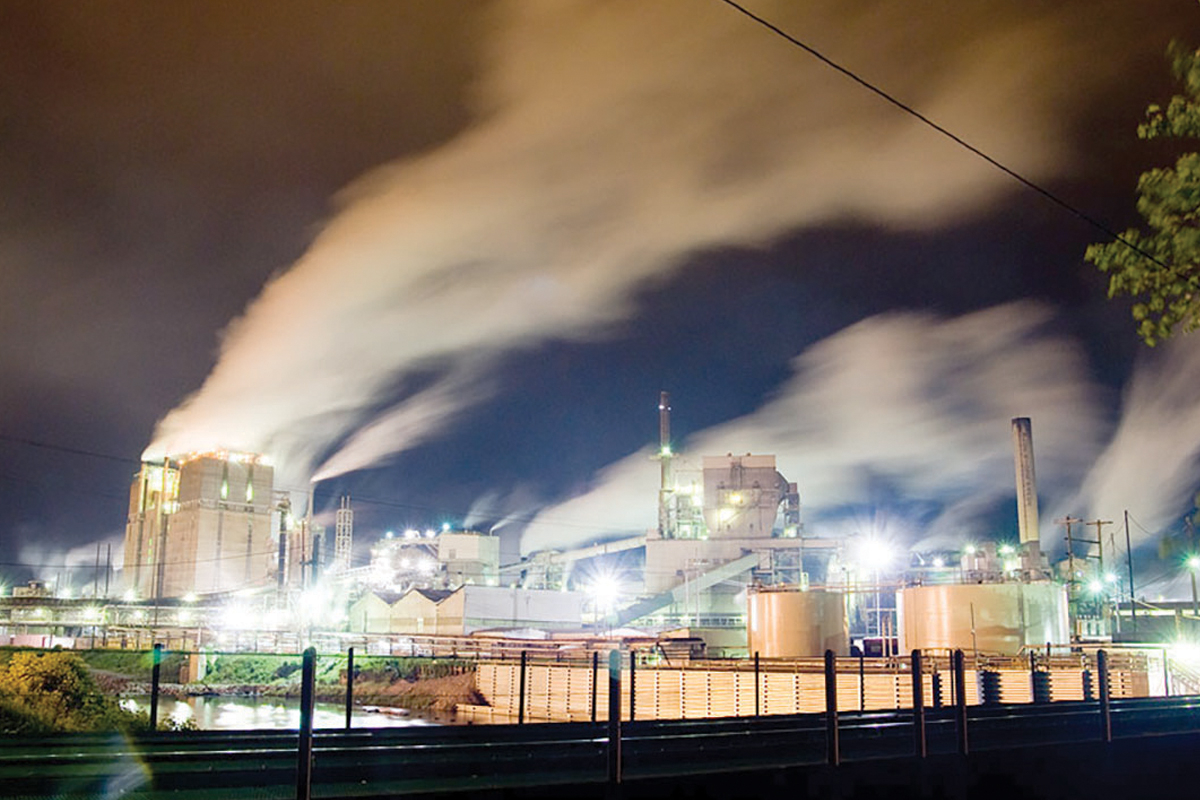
(612,140)
(917,404)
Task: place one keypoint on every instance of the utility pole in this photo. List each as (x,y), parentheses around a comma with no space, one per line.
(1099,542)
(1129,561)
(1069,521)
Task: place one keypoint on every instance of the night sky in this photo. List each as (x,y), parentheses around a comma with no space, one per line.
(445,255)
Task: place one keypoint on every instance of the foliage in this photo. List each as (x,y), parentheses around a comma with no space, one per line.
(136,664)
(250,669)
(42,692)
(1165,285)
(394,668)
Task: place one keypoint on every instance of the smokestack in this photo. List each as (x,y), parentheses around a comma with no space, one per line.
(664,458)
(1027,501)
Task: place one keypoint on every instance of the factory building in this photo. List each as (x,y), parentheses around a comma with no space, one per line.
(433,559)
(200,524)
(466,610)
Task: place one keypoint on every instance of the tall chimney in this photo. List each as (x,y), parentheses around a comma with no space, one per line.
(665,528)
(1027,500)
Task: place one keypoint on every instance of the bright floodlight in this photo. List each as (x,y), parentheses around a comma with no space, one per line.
(605,590)
(875,554)
(1193,562)
(1095,587)
(1186,652)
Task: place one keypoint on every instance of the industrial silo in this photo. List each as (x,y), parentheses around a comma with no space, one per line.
(987,617)
(790,622)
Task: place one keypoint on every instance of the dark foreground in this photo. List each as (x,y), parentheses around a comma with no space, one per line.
(1026,751)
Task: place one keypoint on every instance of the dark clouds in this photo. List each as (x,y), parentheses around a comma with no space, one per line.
(160,161)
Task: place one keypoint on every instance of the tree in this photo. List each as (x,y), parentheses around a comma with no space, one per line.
(1161,269)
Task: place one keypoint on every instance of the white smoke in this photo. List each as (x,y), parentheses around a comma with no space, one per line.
(612,139)
(920,404)
(1150,466)
(80,569)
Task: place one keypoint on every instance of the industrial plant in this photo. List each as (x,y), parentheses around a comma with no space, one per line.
(215,552)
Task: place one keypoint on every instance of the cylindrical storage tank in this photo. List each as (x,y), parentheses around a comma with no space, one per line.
(1006,616)
(789,622)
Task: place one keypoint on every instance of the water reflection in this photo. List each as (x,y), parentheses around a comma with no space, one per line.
(258,713)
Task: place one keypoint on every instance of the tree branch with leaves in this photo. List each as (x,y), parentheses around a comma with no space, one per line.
(1160,268)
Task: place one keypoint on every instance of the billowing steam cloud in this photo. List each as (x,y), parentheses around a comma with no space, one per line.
(612,139)
(907,401)
(1149,467)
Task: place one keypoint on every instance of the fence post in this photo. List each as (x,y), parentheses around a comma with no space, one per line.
(521,699)
(595,677)
(349,684)
(862,681)
(308,676)
(155,670)
(960,701)
(833,751)
(632,680)
(756,674)
(614,715)
(1105,709)
(918,699)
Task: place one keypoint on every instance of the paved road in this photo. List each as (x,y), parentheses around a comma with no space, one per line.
(389,762)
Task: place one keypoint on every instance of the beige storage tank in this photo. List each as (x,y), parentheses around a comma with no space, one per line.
(789,622)
(1006,616)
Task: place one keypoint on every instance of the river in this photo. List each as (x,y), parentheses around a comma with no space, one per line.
(257,713)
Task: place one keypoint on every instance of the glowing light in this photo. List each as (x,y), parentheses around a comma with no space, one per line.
(445,526)
(736,499)
(390,535)
(605,591)
(939,562)
(725,514)
(969,549)
(1110,577)
(875,554)
(1095,586)
(430,533)
(190,597)
(1006,550)
(666,450)
(1193,562)
(1186,652)
(411,533)
(235,617)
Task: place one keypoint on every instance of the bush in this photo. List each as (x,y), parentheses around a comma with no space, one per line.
(43,692)
(250,669)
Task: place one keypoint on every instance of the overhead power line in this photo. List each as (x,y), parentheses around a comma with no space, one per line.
(75,451)
(907,109)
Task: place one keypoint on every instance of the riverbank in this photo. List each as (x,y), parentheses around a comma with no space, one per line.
(437,695)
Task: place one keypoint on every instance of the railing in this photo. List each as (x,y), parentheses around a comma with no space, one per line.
(566,691)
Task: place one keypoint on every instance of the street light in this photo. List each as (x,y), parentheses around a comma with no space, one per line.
(1193,564)
(875,554)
